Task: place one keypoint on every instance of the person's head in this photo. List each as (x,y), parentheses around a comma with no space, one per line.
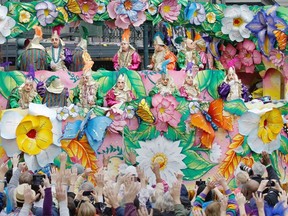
(71,206)
(165,80)
(249,188)
(120,82)
(124,46)
(86,186)
(165,202)
(28,85)
(158,48)
(231,74)
(158,44)
(213,209)
(86,209)
(19,194)
(242,177)
(55,40)
(189,79)
(258,169)
(125,42)
(26,177)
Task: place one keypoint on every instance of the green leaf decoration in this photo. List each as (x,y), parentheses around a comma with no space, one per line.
(106,80)
(11,9)
(156,2)
(203,79)
(216,79)
(183,2)
(98,111)
(197,166)
(256,156)
(32,23)
(134,82)
(260,67)
(274,162)
(245,147)
(146,131)
(233,183)
(174,133)
(183,108)
(282,13)
(28,7)
(129,139)
(235,107)
(284,145)
(284,109)
(148,16)
(157,19)
(10,80)
(188,141)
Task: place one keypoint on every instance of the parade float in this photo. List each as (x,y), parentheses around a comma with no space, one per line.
(199,119)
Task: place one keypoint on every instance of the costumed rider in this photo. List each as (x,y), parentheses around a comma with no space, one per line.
(120,93)
(232,87)
(77,60)
(190,89)
(126,55)
(25,94)
(34,53)
(55,94)
(86,92)
(165,85)
(161,54)
(59,55)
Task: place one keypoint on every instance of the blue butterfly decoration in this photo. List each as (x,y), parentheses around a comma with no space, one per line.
(93,128)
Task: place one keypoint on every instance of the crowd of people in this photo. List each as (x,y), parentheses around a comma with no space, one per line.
(79,191)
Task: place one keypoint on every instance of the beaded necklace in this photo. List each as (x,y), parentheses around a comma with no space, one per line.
(53,54)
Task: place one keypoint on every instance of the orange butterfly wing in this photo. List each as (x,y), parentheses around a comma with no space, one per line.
(281,38)
(208,135)
(216,113)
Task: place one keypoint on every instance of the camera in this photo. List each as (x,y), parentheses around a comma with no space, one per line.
(270,183)
(200,182)
(87,193)
(246,169)
(38,179)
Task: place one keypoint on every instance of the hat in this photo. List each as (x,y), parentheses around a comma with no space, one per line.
(131,170)
(126,36)
(54,85)
(56,31)
(83,41)
(19,193)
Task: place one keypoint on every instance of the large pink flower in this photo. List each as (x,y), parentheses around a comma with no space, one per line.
(248,55)
(127,12)
(285,68)
(229,53)
(277,58)
(118,118)
(170,10)
(164,109)
(88,10)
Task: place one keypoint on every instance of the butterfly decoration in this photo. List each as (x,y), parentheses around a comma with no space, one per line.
(281,38)
(144,112)
(71,7)
(93,128)
(211,121)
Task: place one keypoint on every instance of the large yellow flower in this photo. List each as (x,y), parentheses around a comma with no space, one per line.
(270,125)
(34,133)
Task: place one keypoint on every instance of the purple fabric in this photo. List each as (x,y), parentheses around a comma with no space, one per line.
(41,89)
(245,93)
(47,204)
(68,56)
(223,90)
(130,210)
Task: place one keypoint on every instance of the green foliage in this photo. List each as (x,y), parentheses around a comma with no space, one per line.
(188,141)
(274,162)
(235,107)
(284,145)
(197,166)
(10,80)
(245,147)
(157,19)
(130,140)
(106,80)
(146,131)
(284,109)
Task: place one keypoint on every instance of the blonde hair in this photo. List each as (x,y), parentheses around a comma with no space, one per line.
(213,209)
(86,209)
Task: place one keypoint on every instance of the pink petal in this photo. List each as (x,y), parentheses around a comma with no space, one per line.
(165,103)
(247,61)
(121,24)
(257,58)
(231,50)
(173,100)
(242,53)
(239,46)
(285,70)
(156,100)
(175,119)
(250,69)
(164,117)
(141,19)
(111,24)
(111,9)
(161,126)
(248,45)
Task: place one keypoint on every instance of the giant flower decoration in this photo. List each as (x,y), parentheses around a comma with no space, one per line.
(101,8)
(36,134)
(24,16)
(88,10)
(118,116)
(262,26)
(229,53)
(164,152)
(127,12)
(46,12)
(248,55)
(262,128)
(6,24)
(195,12)
(235,20)
(277,58)
(165,112)
(169,10)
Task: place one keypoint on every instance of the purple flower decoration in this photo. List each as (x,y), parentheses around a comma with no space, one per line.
(262,26)
(195,12)
(46,12)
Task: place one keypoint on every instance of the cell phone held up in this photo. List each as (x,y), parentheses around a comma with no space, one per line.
(38,179)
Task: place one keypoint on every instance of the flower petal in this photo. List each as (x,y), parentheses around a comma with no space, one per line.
(47,156)
(227,25)
(10,147)
(44,139)
(31,162)
(41,6)
(248,122)
(27,145)
(9,123)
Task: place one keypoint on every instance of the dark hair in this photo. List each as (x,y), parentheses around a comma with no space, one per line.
(71,206)
(8,175)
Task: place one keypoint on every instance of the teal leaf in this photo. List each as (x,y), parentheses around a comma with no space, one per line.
(146,131)
(28,7)
(274,162)
(10,80)
(156,20)
(197,166)
(175,133)
(233,183)
(32,23)
(260,67)
(284,145)
(216,79)
(183,2)
(134,82)
(148,16)
(156,2)
(188,142)
(203,79)
(129,139)
(235,107)
(98,111)
(106,80)
(245,148)
(284,109)
(183,108)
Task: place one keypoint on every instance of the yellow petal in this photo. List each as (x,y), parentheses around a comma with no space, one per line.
(33,119)
(274,116)
(263,134)
(44,138)
(27,145)
(44,123)
(271,135)
(24,128)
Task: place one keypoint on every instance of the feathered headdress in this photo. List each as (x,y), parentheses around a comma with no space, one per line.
(126,36)
(56,30)
(159,38)
(38,31)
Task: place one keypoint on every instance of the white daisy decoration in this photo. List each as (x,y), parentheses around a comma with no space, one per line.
(130,112)
(73,110)
(194,107)
(215,153)
(62,113)
(165,152)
